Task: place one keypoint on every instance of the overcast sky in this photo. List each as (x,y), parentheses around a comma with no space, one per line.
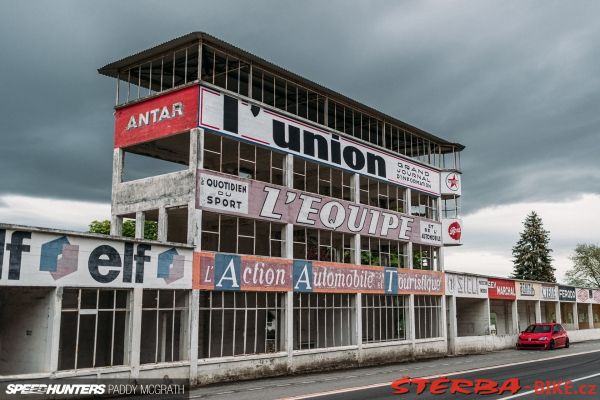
(516,82)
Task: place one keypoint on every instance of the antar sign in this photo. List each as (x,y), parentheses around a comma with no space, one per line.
(249,122)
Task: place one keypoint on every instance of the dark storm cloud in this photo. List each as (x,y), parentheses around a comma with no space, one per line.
(516,82)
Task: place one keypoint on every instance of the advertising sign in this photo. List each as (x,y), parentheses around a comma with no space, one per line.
(452,231)
(584,295)
(220,271)
(451,183)
(33,258)
(549,292)
(220,192)
(566,293)
(157,117)
(529,291)
(460,285)
(228,115)
(223,194)
(502,289)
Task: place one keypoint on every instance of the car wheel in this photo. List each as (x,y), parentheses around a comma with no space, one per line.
(552,345)
(567,344)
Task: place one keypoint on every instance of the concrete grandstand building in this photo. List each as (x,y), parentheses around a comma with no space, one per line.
(298,230)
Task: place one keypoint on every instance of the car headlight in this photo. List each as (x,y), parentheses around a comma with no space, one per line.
(543,338)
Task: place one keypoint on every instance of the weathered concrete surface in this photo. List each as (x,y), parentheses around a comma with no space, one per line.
(177,188)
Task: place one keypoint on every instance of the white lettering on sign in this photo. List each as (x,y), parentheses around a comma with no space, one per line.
(224,194)
(549,292)
(156,115)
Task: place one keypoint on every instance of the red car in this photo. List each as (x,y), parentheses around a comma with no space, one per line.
(543,336)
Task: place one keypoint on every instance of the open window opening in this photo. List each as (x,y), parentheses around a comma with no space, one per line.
(157,157)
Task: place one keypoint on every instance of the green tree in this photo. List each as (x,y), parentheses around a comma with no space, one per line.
(531,254)
(103,227)
(586,266)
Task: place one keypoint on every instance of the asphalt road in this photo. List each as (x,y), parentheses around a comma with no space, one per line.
(580,364)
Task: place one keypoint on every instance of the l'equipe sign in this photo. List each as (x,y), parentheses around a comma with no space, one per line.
(228,115)
(220,192)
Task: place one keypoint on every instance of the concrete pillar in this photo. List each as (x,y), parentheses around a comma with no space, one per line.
(289,328)
(118,162)
(409,245)
(288,237)
(515,317)
(358,326)
(355,183)
(53,334)
(488,316)
(590,316)
(140,219)
(163,224)
(288,171)
(196,146)
(194,307)
(411,321)
(575,315)
(452,324)
(196,162)
(538,312)
(135,305)
(116,225)
(557,312)
(356,244)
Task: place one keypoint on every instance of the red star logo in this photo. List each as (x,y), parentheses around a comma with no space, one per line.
(452,181)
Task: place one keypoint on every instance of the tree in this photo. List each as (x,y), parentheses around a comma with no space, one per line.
(531,254)
(586,266)
(103,227)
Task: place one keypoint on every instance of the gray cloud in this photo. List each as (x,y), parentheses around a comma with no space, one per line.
(515,82)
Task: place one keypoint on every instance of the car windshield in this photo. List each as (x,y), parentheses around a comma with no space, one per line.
(538,329)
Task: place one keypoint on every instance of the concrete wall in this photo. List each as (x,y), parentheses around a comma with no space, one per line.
(177,188)
(24,321)
(482,344)
(583,335)
(471,317)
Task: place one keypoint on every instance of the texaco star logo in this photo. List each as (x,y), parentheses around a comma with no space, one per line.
(452,182)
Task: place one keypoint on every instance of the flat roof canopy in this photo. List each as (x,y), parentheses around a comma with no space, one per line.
(112,70)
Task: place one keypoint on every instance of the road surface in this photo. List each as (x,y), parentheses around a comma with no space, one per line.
(580,364)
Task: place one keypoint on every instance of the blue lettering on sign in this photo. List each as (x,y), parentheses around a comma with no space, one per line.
(390,280)
(303,276)
(227,272)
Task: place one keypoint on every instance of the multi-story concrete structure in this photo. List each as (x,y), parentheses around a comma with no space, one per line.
(318,220)
(297,230)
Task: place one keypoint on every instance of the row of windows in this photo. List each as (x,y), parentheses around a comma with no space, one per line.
(94,329)
(229,72)
(253,162)
(231,234)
